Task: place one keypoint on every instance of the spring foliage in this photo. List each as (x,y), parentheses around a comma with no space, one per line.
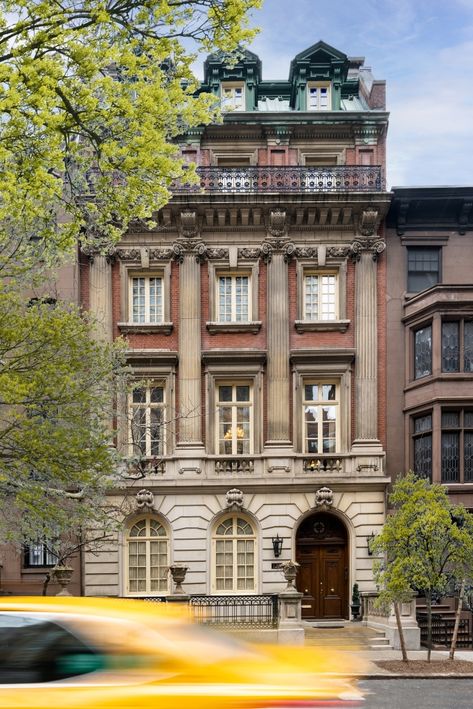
(92,94)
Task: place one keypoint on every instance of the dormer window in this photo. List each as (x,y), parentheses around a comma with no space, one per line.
(233,96)
(318,96)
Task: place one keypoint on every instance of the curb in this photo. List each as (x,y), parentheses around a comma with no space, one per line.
(413,676)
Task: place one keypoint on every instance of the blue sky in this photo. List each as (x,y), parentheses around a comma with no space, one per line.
(424,51)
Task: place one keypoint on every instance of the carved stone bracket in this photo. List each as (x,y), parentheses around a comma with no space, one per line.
(234,499)
(277,223)
(324,497)
(144,499)
(189,225)
(375,246)
(368,222)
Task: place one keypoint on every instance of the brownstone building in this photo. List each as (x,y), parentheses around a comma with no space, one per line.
(430,336)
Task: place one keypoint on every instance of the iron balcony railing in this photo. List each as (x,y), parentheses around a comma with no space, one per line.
(342,178)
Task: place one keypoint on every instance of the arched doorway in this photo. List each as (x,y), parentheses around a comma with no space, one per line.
(322,552)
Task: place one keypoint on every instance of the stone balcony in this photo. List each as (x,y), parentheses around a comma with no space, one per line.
(259,179)
(340,466)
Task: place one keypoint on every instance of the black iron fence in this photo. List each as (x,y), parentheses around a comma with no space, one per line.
(236,611)
(356,178)
(442,630)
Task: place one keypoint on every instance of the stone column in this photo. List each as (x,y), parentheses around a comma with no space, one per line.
(100,295)
(366,343)
(278,353)
(190,412)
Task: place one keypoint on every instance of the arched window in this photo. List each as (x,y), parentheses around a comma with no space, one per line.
(234,547)
(147,557)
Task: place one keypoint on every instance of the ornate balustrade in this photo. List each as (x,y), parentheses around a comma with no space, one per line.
(341,178)
(322,464)
(241,466)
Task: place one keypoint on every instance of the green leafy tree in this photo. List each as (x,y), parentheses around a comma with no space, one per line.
(92,94)
(57,385)
(424,546)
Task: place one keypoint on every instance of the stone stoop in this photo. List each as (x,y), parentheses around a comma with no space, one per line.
(379,641)
(344,635)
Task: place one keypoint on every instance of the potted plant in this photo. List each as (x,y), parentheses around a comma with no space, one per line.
(355,602)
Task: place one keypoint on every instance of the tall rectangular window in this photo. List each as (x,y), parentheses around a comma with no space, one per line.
(39,554)
(233,96)
(422,439)
(318,97)
(320,296)
(146,303)
(321,415)
(233,298)
(457,446)
(423,352)
(423,267)
(457,346)
(234,419)
(147,418)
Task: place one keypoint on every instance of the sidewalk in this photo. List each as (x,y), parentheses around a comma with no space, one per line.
(358,638)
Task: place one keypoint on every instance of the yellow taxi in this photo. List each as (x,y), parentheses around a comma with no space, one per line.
(98,653)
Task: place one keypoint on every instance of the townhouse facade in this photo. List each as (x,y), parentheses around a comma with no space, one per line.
(254,315)
(255,319)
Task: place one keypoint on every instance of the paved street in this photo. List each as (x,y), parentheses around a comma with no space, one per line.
(418,693)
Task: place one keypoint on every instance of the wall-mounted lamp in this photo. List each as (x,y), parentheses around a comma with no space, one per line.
(277,545)
(369,540)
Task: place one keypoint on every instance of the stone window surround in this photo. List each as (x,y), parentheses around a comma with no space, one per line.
(339,155)
(338,267)
(133,270)
(217,154)
(161,375)
(217,268)
(254,537)
(125,536)
(330,365)
(233,366)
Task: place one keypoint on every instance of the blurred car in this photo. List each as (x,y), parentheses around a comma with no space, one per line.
(90,652)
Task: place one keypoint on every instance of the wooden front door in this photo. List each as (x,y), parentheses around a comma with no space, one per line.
(323,573)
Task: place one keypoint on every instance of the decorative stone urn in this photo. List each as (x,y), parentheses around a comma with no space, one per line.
(178,574)
(62,575)
(289,569)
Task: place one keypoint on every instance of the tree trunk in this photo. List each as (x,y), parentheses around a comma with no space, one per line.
(428,599)
(453,645)
(402,642)
(47,579)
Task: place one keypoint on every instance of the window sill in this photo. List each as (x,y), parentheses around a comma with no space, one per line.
(163,328)
(217,327)
(321,325)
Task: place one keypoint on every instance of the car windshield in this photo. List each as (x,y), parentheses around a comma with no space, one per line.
(35,649)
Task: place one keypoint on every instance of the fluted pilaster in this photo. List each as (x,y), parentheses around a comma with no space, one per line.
(190,421)
(278,351)
(366,370)
(100,296)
